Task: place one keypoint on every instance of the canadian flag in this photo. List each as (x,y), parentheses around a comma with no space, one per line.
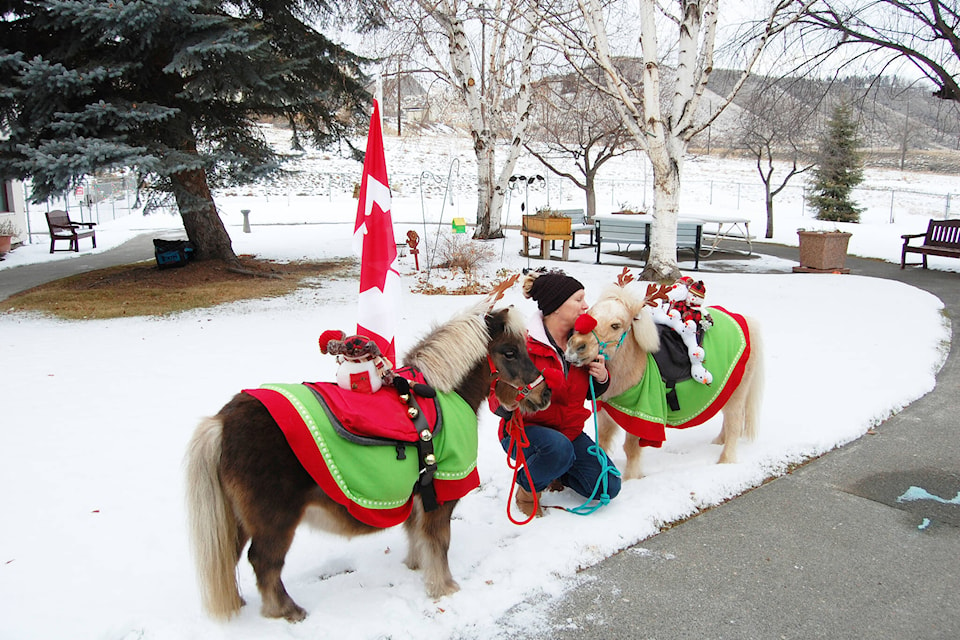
(374,242)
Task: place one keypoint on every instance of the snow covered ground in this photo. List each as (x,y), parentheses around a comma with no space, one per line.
(97,415)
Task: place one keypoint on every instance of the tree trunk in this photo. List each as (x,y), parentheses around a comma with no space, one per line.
(200,218)
(662,262)
(769,233)
(486,182)
(591,192)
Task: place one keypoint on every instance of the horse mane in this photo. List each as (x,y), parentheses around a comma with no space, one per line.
(451,350)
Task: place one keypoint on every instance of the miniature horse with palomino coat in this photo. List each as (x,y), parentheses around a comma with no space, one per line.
(246,483)
(624,332)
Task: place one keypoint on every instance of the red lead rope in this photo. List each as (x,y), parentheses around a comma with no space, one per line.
(518,443)
(518,440)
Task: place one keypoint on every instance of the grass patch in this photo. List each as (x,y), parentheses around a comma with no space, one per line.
(142,289)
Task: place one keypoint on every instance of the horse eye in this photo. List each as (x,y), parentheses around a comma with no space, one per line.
(615,326)
(510,353)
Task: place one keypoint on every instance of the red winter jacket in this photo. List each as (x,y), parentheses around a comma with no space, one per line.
(569,393)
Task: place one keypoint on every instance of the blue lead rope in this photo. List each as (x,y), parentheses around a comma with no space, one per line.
(605,467)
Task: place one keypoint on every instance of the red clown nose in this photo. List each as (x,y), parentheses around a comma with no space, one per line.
(585,324)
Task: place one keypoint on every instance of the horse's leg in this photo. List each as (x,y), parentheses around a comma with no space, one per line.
(631,447)
(606,430)
(733,413)
(412,527)
(268,551)
(429,541)
(269,490)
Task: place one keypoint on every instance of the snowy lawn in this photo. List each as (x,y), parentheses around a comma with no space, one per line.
(97,416)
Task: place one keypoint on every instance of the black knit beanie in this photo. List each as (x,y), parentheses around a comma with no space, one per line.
(552,289)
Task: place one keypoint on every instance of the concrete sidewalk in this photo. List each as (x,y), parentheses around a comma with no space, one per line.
(17,279)
(824,552)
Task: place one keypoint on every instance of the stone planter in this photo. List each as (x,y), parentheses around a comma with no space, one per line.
(823,252)
(547,225)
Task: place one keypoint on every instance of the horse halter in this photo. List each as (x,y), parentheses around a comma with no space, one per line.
(603,345)
(522,391)
(587,323)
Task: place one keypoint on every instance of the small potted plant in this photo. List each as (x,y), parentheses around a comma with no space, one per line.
(629,209)
(7,232)
(547,221)
(823,251)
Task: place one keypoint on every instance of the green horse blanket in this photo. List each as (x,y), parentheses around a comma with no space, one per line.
(374,483)
(643,411)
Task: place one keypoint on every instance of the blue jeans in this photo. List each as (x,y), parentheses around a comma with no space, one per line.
(551,455)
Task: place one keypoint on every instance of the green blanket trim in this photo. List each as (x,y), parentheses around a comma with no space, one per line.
(371,476)
(724,344)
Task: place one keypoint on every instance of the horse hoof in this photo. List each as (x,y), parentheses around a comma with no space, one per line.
(291,613)
(448,588)
(296,616)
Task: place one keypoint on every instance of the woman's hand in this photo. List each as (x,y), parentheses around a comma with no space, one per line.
(598,369)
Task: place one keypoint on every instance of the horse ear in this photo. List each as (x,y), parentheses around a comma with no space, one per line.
(645,331)
(497,322)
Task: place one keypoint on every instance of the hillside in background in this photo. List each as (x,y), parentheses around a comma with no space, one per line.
(897,119)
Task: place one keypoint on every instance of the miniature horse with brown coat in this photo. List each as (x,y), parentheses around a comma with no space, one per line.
(244,482)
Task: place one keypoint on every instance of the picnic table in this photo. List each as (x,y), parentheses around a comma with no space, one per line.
(726,228)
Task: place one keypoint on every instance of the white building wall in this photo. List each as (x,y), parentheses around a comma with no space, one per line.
(17,202)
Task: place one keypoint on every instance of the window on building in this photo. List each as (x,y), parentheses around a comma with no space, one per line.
(6,202)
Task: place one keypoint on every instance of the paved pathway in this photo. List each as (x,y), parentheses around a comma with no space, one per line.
(824,552)
(17,279)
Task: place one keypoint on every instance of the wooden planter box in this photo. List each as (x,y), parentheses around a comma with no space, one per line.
(547,226)
(823,252)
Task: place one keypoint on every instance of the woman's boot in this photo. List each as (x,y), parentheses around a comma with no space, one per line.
(525,502)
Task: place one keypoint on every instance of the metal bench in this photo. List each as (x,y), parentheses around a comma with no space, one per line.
(578,224)
(635,229)
(62,228)
(941,239)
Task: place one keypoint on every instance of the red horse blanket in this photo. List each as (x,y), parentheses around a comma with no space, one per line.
(330,430)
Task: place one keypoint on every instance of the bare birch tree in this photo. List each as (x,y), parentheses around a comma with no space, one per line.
(485,52)
(676,46)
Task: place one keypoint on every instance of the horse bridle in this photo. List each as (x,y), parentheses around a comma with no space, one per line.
(522,391)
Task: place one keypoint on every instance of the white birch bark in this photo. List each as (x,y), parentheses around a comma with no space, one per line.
(486,109)
(664,136)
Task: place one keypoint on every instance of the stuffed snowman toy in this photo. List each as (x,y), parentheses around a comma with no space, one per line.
(681,312)
(362,367)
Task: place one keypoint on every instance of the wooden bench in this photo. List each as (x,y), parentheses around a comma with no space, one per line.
(635,229)
(62,228)
(941,239)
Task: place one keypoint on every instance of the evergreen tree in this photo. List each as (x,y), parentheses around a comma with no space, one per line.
(171,88)
(839,169)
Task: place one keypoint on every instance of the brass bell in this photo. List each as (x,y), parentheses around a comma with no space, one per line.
(430,459)
(412,412)
(426,436)
(405,398)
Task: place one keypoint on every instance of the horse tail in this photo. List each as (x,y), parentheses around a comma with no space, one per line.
(213,526)
(754,399)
